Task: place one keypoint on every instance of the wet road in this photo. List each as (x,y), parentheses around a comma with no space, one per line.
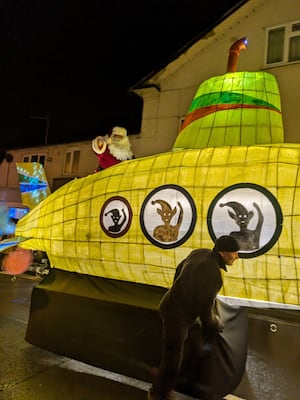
(27,372)
(30,373)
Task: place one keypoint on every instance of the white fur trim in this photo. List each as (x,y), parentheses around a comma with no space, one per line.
(118,130)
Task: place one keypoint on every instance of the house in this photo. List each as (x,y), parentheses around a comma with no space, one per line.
(62,162)
(272,28)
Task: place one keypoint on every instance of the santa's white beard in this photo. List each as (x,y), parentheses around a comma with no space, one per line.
(121,149)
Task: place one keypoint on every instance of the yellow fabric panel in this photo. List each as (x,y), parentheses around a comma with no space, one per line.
(66,224)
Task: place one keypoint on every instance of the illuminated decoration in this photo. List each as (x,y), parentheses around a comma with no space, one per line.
(17,212)
(115,216)
(66,224)
(7,244)
(249,213)
(33,183)
(168,216)
(235,109)
(229,157)
(17,262)
(7,227)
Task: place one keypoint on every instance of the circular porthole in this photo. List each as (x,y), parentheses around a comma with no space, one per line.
(168,216)
(249,213)
(115,216)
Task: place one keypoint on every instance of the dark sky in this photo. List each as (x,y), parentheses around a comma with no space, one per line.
(74,61)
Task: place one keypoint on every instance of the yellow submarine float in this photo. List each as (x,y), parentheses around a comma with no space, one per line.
(229,172)
(114,238)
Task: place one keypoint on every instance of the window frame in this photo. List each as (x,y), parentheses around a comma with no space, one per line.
(180,122)
(38,157)
(288,34)
(69,170)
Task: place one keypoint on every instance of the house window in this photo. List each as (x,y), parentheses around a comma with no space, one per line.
(283,43)
(180,123)
(40,158)
(71,162)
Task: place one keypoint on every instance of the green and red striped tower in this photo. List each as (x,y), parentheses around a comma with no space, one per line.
(234,109)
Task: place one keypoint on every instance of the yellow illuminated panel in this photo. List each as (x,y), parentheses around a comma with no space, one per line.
(66,224)
(240,108)
(137,220)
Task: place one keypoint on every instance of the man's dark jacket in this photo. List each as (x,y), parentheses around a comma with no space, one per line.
(197,282)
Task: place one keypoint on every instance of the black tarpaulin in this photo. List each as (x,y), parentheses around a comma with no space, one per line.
(220,370)
(115,325)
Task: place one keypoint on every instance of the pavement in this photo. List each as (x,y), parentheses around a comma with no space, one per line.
(31,373)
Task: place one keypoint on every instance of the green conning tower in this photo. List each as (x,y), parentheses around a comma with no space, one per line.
(234,109)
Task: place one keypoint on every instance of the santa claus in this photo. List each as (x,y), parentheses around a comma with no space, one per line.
(112,149)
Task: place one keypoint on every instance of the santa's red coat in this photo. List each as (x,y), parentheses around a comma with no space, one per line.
(106,159)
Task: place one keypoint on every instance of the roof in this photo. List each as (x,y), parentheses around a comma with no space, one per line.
(145,81)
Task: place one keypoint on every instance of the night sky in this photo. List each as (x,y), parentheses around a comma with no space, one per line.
(74,61)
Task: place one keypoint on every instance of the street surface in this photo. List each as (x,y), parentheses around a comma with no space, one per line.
(30,373)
